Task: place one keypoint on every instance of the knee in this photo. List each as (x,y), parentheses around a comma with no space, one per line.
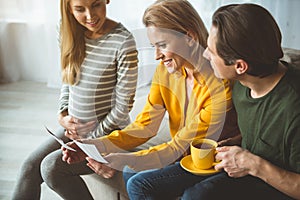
(200,191)
(127,174)
(50,169)
(29,167)
(31,164)
(136,186)
(133,183)
(189,194)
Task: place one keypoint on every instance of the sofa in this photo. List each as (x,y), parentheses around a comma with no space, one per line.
(114,188)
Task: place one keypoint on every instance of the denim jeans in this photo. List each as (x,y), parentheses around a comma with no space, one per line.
(166,183)
(172,182)
(221,186)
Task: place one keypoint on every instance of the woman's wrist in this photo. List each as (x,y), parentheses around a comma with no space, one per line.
(62,115)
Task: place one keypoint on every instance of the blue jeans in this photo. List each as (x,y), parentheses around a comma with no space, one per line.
(166,183)
(221,186)
(173,181)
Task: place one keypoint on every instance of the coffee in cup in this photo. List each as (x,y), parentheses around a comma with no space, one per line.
(203,153)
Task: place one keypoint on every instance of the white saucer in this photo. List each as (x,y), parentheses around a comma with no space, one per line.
(187,164)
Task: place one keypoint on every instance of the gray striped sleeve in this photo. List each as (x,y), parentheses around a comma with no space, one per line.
(127,71)
(64,98)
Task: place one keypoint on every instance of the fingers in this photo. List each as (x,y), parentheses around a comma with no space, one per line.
(71,156)
(222,149)
(80,129)
(236,173)
(71,135)
(218,167)
(64,157)
(67,157)
(223,142)
(100,168)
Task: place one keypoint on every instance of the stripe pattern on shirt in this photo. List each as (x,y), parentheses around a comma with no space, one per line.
(107,83)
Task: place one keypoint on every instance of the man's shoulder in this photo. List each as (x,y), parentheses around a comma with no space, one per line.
(292,77)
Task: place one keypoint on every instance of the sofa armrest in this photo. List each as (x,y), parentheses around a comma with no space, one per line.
(291,56)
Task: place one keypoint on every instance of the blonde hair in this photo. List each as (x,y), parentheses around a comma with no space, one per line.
(72,44)
(177,15)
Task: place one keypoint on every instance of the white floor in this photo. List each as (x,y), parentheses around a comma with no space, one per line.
(25,107)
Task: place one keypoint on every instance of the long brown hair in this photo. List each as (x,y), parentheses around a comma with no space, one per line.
(72,44)
(177,15)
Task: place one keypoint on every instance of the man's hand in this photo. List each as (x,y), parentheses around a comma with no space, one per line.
(231,141)
(237,162)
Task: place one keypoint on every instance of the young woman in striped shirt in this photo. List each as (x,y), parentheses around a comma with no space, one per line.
(99,73)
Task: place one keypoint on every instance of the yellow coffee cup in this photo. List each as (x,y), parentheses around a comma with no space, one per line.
(203,153)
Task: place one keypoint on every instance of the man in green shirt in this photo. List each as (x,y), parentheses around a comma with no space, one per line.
(244,44)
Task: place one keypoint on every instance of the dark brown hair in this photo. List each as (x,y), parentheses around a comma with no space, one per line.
(248,32)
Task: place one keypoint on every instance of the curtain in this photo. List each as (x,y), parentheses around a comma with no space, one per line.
(28,40)
(28,34)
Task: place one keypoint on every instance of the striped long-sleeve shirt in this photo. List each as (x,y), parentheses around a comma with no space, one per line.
(107,83)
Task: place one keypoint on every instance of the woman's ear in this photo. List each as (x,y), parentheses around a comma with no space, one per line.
(190,38)
(241,66)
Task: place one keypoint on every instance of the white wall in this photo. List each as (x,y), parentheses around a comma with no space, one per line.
(285,12)
(28,36)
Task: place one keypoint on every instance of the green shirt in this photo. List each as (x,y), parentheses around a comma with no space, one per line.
(270,125)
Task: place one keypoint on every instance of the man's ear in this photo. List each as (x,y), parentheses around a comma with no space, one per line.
(241,66)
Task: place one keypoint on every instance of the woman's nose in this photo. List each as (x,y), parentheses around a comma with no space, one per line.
(158,54)
(89,14)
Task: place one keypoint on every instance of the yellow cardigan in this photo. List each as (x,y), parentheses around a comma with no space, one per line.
(203,116)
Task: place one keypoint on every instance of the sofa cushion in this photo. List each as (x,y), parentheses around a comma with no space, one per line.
(102,188)
(292,56)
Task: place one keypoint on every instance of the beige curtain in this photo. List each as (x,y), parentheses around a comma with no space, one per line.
(28,40)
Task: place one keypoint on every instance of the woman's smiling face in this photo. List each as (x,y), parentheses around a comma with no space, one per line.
(169,48)
(89,13)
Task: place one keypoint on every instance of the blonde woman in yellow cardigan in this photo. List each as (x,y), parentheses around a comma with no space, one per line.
(183,85)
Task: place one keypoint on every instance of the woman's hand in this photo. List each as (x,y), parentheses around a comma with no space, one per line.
(73,156)
(100,168)
(74,128)
(237,162)
(118,161)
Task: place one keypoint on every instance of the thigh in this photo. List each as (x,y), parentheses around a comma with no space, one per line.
(221,186)
(53,164)
(254,188)
(45,148)
(127,174)
(168,182)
